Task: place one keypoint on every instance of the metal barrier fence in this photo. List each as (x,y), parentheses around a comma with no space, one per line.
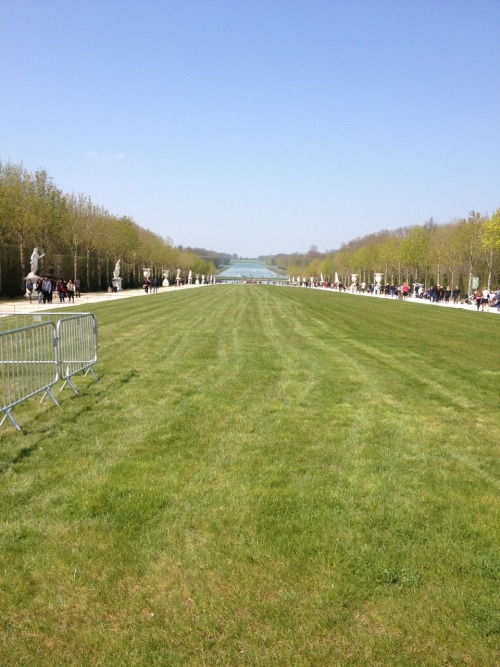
(29,365)
(77,346)
(39,349)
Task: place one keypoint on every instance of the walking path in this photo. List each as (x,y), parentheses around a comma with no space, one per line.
(23,304)
(411,299)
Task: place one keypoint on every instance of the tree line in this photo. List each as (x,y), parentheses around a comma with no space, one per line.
(83,239)
(80,239)
(431,254)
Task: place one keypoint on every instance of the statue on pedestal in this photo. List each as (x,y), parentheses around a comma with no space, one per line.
(378,282)
(116,283)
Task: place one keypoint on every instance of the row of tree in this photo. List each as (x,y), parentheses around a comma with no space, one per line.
(79,238)
(82,239)
(446,254)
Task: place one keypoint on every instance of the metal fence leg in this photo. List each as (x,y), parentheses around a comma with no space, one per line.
(15,424)
(91,370)
(49,393)
(68,381)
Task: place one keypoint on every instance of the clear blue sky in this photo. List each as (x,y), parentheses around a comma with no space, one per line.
(258,126)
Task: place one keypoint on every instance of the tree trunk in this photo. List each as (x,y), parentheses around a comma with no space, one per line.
(21,258)
(99,264)
(88,268)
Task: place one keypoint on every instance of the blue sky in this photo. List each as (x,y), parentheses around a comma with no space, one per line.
(258,127)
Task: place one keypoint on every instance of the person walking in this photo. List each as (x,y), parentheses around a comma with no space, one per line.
(47,289)
(60,291)
(478,297)
(29,289)
(70,291)
(38,290)
(485,300)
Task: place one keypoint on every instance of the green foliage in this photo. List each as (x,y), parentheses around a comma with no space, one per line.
(491,239)
(35,212)
(424,251)
(415,248)
(262,476)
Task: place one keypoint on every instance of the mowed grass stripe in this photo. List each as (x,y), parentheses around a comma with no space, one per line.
(262,476)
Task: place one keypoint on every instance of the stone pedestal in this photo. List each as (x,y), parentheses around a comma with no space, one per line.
(117,283)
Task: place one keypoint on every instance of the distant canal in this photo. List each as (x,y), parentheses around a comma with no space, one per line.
(250,269)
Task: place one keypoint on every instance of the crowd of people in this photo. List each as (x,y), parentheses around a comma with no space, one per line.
(482,298)
(45,288)
(150,285)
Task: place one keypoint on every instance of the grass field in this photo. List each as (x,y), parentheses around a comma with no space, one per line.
(263,476)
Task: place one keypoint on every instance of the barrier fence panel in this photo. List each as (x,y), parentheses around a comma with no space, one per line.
(38,349)
(77,346)
(29,365)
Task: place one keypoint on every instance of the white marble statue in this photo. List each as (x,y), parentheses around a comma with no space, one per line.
(35,256)
(116,272)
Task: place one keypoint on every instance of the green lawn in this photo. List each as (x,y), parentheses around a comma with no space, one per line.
(263,476)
